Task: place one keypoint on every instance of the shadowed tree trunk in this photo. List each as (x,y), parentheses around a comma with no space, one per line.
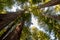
(11,16)
(5,19)
(15,35)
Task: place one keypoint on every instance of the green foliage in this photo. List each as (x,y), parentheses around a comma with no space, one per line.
(36,34)
(25,34)
(39,35)
(2,32)
(27,18)
(22,1)
(4,3)
(36,1)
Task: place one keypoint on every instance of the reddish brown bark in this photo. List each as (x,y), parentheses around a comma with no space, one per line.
(50,3)
(5,19)
(15,35)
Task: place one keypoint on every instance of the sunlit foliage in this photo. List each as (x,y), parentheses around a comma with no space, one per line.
(35,34)
(25,34)
(44,16)
(57,8)
(39,35)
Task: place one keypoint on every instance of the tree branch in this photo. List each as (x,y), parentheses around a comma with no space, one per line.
(50,3)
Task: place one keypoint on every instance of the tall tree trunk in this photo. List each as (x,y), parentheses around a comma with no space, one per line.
(5,19)
(15,35)
(50,3)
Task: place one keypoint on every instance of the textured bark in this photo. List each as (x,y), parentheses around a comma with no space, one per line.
(15,35)
(5,19)
(50,3)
